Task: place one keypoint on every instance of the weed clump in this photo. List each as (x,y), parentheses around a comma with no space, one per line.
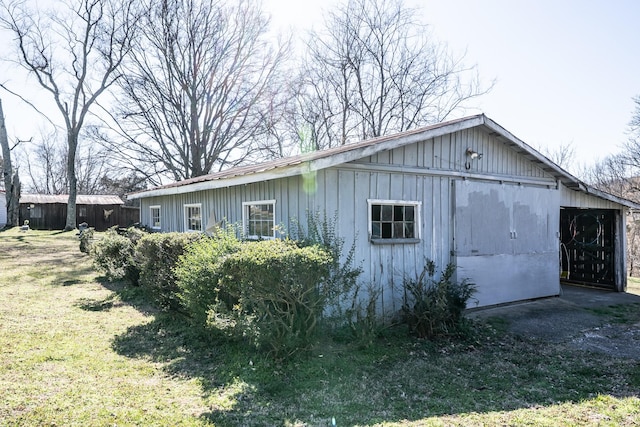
(434,307)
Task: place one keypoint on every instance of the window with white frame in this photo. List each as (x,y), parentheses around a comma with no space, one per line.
(258,219)
(193,217)
(394,221)
(82,211)
(155,217)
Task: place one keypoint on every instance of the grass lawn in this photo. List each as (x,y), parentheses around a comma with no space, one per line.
(77,351)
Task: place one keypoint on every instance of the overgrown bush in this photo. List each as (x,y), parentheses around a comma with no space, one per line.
(435,308)
(113,255)
(344,307)
(132,233)
(156,256)
(281,293)
(197,273)
(276,292)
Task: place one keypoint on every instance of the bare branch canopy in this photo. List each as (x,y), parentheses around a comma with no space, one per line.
(73,50)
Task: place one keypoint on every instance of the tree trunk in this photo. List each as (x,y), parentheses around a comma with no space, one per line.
(73,180)
(11,179)
(13,205)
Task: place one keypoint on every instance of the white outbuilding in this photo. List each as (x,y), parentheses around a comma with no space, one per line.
(465,191)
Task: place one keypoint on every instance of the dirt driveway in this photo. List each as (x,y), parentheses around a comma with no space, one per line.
(570,319)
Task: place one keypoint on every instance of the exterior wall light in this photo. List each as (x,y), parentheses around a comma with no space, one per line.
(471,155)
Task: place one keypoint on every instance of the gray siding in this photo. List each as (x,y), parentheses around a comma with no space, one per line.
(579,199)
(385,265)
(448,153)
(506,240)
(3,209)
(517,211)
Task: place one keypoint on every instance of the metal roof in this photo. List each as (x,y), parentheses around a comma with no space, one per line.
(296,165)
(299,164)
(81,199)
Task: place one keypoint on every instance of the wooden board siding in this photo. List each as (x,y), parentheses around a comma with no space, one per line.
(343,192)
(430,169)
(412,173)
(580,199)
(448,153)
(53,216)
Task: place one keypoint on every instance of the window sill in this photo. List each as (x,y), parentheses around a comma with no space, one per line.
(258,238)
(394,241)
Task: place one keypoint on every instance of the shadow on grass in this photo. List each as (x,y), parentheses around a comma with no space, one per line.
(396,379)
(81,273)
(122,293)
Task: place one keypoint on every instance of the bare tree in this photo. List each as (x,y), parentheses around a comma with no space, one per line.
(11,177)
(375,70)
(74,50)
(619,174)
(562,155)
(199,90)
(46,162)
(46,166)
(634,124)
(616,176)
(630,155)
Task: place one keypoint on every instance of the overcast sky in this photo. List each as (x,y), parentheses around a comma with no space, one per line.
(565,70)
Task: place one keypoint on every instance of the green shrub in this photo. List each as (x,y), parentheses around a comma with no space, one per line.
(435,308)
(341,285)
(156,256)
(113,255)
(197,274)
(281,293)
(132,233)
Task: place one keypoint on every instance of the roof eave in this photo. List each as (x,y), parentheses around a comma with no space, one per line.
(534,155)
(604,195)
(358,151)
(555,170)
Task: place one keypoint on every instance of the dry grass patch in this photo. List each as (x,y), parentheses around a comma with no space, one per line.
(57,364)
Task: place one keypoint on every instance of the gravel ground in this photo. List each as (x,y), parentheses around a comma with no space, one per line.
(567,319)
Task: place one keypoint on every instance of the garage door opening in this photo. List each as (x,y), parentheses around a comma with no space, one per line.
(588,247)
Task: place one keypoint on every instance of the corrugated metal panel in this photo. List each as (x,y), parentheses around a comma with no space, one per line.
(81,199)
(506,240)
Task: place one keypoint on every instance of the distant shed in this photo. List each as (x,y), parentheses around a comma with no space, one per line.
(49,212)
